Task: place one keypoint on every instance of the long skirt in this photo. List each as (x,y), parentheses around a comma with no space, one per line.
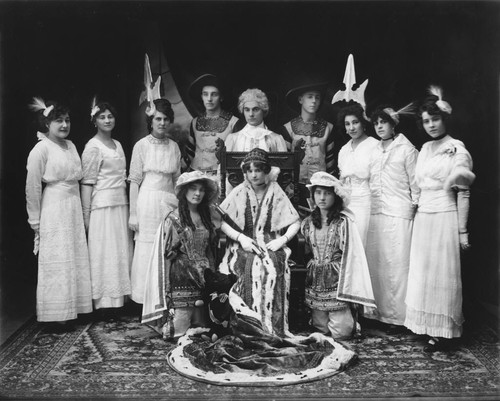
(388,255)
(434,295)
(361,207)
(63,288)
(110,251)
(152,207)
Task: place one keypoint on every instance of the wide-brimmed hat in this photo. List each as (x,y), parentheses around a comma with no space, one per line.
(197,85)
(211,186)
(323,179)
(292,96)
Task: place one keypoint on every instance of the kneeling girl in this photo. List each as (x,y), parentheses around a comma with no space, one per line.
(337,274)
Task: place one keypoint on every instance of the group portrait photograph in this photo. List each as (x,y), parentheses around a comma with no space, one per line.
(249,200)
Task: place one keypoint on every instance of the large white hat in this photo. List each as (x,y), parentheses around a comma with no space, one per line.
(324,179)
(212,188)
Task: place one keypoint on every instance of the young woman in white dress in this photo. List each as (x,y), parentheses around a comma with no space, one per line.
(394,197)
(354,158)
(444,175)
(105,212)
(55,215)
(154,170)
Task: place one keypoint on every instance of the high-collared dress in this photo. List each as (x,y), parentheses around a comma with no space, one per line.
(204,133)
(434,295)
(354,172)
(63,288)
(109,238)
(155,167)
(394,197)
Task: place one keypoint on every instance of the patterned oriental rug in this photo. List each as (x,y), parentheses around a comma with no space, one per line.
(125,359)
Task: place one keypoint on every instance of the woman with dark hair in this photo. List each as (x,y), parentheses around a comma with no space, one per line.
(394,197)
(444,175)
(55,215)
(105,212)
(184,248)
(354,157)
(258,254)
(154,169)
(337,253)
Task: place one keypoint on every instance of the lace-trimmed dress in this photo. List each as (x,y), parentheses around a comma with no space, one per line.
(434,296)
(155,167)
(109,238)
(354,171)
(63,289)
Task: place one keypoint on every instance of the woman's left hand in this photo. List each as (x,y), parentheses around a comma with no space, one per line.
(276,244)
(464,241)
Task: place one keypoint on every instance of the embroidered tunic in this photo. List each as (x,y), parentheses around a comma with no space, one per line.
(434,296)
(109,238)
(63,288)
(175,276)
(318,137)
(155,167)
(204,132)
(338,272)
(323,269)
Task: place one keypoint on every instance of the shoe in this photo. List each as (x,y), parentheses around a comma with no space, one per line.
(434,345)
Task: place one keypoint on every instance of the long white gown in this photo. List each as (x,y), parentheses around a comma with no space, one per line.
(354,172)
(109,238)
(434,296)
(394,196)
(63,289)
(155,167)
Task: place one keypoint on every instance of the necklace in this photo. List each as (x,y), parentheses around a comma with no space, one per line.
(439,137)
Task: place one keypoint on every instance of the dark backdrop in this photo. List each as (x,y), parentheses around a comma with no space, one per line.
(71,50)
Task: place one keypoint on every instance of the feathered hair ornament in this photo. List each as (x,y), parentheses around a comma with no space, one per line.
(38,104)
(409,109)
(152,92)
(348,94)
(443,105)
(94,109)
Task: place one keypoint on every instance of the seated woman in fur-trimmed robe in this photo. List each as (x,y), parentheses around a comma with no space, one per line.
(259,219)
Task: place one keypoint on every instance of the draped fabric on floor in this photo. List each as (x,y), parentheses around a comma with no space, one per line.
(253,357)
